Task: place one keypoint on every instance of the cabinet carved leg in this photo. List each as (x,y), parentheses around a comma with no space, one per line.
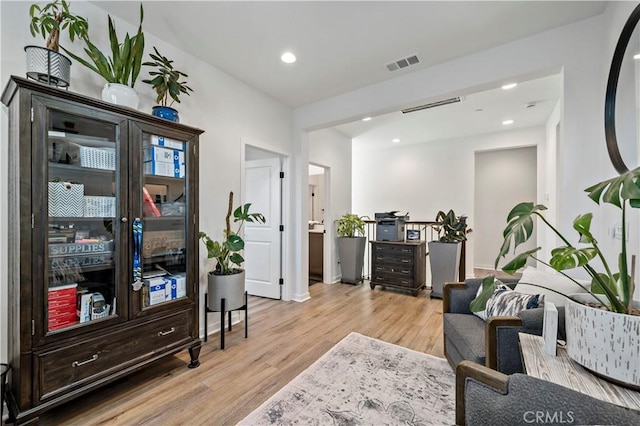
(194,353)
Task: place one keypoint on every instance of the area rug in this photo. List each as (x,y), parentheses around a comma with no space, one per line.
(364,381)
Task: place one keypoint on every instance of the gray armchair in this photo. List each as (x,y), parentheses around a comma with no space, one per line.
(493,343)
(487,397)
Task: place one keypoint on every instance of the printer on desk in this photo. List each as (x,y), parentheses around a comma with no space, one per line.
(390,227)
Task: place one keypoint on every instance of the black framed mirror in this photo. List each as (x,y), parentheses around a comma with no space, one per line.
(622,69)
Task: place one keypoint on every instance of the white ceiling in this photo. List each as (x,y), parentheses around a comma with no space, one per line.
(478,113)
(345,45)
(341,45)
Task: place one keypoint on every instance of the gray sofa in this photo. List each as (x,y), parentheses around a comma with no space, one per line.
(493,343)
(487,397)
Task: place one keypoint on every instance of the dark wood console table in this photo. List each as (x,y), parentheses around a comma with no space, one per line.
(399,265)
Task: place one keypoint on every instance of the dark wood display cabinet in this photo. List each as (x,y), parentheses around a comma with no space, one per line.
(399,265)
(103,254)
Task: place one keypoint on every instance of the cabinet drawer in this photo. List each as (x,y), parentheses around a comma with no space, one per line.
(384,259)
(78,364)
(395,250)
(397,281)
(402,271)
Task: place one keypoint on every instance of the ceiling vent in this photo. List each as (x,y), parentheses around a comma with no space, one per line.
(433,104)
(403,63)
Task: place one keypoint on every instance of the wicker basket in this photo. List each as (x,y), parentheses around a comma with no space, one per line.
(99,206)
(92,157)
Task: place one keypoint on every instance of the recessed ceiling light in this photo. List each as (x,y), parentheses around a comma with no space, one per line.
(507,122)
(288,58)
(509,86)
(366,119)
(396,140)
(636,56)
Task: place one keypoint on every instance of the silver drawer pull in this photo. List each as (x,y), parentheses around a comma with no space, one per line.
(406,261)
(164,333)
(405,271)
(75,364)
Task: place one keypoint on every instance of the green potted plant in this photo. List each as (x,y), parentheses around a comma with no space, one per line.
(121,69)
(444,253)
(605,321)
(166,82)
(227,279)
(47,64)
(351,245)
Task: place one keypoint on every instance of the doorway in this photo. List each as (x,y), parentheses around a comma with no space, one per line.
(263,178)
(503,178)
(317,210)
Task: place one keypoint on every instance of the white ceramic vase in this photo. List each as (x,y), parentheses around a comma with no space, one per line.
(120,94)
(607,343)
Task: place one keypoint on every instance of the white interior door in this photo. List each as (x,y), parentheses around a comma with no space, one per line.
(263,241)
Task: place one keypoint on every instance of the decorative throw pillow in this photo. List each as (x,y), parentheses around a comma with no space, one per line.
(479,305)
(505,302)
(556,282)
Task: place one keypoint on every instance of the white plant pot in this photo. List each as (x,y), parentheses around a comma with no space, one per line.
(229,287)
(607,343)
(120,94)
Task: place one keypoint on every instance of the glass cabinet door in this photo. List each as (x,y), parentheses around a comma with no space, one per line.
(162,256)
(81,200)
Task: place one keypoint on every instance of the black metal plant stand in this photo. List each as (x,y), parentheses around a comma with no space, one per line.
(222,312)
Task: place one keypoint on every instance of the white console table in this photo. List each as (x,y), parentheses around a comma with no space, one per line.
(564,371)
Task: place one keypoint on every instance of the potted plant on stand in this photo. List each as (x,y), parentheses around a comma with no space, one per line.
(444,253)
(227,279)
(47,64)
(121,69)
(167,84)
(351,244)
(602,326)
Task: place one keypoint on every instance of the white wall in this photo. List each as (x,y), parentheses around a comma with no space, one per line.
(423,179)
(548,171)
(332,149)
(225,108)
(607,217)
(502,179)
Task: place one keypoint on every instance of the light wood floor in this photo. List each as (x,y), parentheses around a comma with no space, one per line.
(284,339)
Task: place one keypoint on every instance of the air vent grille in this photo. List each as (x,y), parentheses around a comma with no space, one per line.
(433,104)
(403,63)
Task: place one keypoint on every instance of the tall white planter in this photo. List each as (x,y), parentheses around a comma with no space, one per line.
(120,94)
(604,342)
(444,259)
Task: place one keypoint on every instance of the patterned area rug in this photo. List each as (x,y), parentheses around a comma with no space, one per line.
(365,381)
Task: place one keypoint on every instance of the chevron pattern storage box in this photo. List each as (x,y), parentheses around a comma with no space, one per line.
(66,199)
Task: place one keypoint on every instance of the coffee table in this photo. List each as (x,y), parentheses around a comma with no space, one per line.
(566,372)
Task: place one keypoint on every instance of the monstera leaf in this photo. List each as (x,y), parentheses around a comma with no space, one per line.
(519,227)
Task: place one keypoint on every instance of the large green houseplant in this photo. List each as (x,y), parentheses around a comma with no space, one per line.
(227,279)
(445,252)
(122,68)
(351,245)
(610,299)
(166,82)
(48,64)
